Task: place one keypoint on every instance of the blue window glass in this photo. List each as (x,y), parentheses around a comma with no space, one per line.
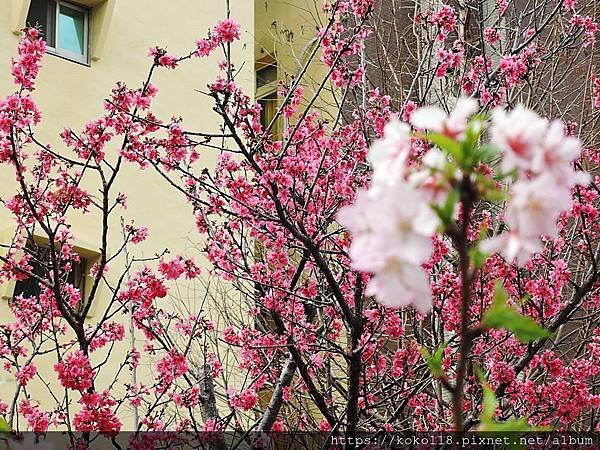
(71,28)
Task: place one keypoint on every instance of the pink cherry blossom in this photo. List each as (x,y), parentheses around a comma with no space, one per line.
(26,374)
(502,5)
(227,30)
(596,90)
(245,400)
(25,68)
(445,19)
(97,414)
(492,35)
(173,269)
(588,25)
(37,421)
(138,235)
(204,47)
(171,367)
(408,109)
(75,371)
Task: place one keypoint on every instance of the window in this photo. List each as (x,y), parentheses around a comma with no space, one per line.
(269,105)
(266,75)
(266,94)
(65,27)
(40,258)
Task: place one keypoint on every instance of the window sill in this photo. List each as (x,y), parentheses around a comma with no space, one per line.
(54,52)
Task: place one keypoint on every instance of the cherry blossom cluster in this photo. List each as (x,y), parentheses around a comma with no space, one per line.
(97,414)
(25,68)
(341,42)
(224,32)
(393,222)
(171,367)
(38,421)
(542,155)
(587,25)
(75,371)
(514,56)
(393,225)
(445,20)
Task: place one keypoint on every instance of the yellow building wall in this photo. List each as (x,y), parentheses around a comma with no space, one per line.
(287,31)
(70,94)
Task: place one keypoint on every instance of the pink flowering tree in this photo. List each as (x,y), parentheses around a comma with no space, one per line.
(50,310)
(414,270)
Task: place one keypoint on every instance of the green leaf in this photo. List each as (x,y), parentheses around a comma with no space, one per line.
(502,316)
(508,429)
(510,425)
(502,429)
(487,153)
(472,153)
(446,211)
(479,372)
(470,150)
(4,426)
(488,410)
(477,257)
(434,362)
(447,144)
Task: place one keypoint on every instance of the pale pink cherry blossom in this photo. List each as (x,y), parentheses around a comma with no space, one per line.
(453,126)
(435,160)
(359,219)
(543,156)
(396,223)
(392,232)
(535,206)
(512,246)
(388,155)
(556,156)
(532,212)
(430,179)
(400,285)
(518,134)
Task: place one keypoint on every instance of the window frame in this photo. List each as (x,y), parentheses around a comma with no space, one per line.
(268,92)
(86,251)
(66,54)
(270,88)
(80,270)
